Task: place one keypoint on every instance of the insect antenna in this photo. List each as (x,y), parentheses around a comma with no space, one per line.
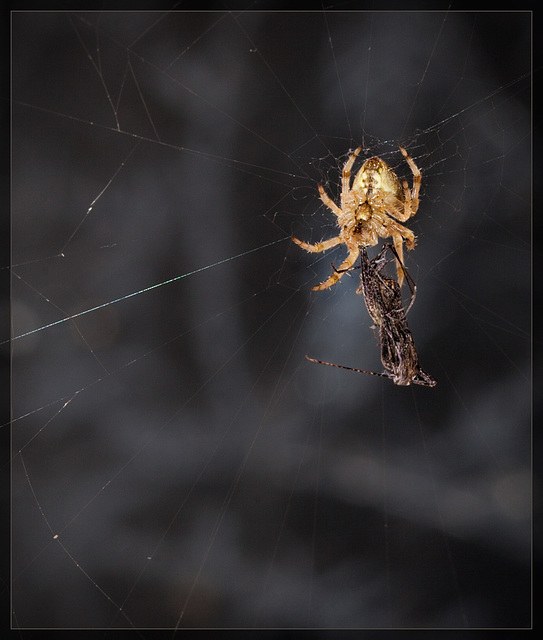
(340,366)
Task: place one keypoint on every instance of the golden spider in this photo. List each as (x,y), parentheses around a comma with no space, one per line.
(366,210)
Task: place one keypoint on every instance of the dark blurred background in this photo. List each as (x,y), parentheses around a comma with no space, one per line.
(196,469)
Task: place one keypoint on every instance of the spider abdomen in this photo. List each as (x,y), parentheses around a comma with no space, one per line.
(376,176)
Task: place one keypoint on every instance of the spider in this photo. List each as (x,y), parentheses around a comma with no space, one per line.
(366,210)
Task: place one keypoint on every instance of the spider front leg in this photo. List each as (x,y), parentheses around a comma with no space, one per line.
(346,174)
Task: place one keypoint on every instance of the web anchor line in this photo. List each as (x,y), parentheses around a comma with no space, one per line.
(135,293)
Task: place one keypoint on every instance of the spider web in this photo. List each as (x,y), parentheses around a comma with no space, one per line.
(176,462)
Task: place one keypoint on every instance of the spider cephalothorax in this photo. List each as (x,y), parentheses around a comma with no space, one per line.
(368,209)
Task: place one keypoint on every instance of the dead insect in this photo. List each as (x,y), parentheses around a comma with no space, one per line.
(383,300)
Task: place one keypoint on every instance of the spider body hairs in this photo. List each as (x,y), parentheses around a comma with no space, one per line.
(369,209)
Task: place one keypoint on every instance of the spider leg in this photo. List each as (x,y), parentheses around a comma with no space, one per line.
(398,247)
(407,201)
(319,246)
(410,282)
(392,228)
(328,201)
(354,252)
(414,196)
(402,211)
(346,174)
